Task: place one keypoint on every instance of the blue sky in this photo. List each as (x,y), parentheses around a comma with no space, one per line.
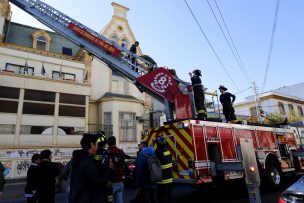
(169,34)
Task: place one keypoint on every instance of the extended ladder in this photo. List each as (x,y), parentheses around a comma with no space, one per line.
(118,58)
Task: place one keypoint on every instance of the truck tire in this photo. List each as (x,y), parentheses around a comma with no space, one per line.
(273,175)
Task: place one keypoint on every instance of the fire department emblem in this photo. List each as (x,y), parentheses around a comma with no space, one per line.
(161,82)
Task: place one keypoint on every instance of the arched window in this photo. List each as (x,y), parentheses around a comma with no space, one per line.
(41,43)
(41,40)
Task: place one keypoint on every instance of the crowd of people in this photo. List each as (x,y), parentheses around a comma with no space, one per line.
(95,173)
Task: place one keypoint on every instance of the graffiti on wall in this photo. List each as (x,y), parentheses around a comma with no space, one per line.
(22,167)
(28,153)
(19,160)
(8,164)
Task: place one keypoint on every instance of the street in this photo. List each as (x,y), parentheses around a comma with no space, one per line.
(231,193)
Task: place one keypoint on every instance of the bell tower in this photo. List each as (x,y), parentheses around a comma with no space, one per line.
(5,11)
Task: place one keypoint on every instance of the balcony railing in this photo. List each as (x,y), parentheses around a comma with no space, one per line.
(107,128)
(41,76)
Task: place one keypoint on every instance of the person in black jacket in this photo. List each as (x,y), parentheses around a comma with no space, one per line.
(88,184)
(47,171)
(225,99)
(32,180)
(2,180)
(164,188)
(199,94)
(133,49)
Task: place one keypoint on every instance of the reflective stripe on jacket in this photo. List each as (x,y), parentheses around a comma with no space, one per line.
(165,158)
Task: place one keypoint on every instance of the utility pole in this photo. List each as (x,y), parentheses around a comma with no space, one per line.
(256,102)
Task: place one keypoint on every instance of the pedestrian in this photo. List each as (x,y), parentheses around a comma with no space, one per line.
(227,103)
(32,178)
(145,189)
(199,94)
(142,144)
(118,158)
(88,184)
(133,49)
(47,171)
(103,160)
(2,180)
(66,174)
(164,188)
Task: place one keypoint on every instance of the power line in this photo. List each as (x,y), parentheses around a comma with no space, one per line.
(233,52)
(222,65)
(240,59)
(271,43)
(243,90)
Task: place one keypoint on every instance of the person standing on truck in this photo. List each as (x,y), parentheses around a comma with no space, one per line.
(199,94)
(227,103)
(164,188)
(133,49)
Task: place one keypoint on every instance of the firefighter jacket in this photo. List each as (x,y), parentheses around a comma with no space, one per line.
(165,158)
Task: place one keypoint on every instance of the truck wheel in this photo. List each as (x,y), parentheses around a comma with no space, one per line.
(273,175)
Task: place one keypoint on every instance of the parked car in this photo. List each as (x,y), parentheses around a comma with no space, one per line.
(294,194)
(129,168)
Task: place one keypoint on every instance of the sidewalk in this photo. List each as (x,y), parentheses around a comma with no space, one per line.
(13,190)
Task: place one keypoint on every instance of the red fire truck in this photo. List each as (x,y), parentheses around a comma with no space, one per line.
(197,146)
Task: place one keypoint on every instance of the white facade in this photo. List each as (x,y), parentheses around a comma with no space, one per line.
(114,95)
(52,109)
(271,102)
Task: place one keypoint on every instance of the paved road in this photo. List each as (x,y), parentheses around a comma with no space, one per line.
(230,193)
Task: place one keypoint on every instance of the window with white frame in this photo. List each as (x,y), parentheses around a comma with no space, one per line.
(119,85)
(107,118)
(107,123)
(18,69)
(127,128)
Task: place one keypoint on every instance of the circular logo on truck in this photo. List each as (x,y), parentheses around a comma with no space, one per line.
(161,82)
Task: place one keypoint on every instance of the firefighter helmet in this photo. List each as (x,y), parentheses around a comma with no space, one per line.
(161,141)
(197,72)
(102,140)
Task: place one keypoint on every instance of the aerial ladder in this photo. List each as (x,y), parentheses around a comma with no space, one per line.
(157,82)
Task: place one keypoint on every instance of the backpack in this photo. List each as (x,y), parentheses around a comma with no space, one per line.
(154,168)
(117,157)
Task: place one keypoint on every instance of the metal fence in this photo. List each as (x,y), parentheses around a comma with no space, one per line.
(107,128)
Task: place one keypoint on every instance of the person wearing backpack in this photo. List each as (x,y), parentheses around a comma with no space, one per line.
(164,187)
(118,158)
(145,188)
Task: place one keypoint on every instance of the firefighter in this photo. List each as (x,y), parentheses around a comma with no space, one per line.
(164,194)
(103,161)
(225,99)
(199,94)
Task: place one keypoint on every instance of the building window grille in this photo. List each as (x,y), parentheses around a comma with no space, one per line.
(127,130)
